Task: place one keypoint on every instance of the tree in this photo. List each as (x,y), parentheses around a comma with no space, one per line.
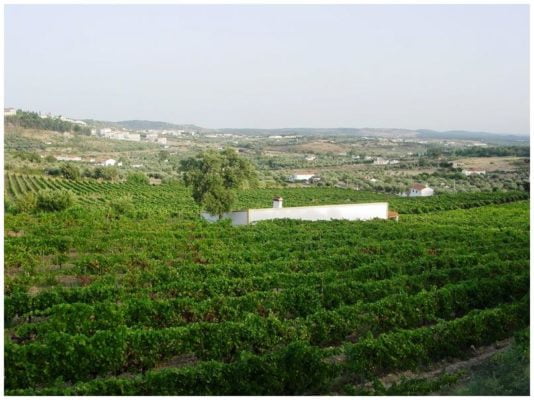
(70,171)
(215,176)
(137,178)
(54,200)
(106,173)
(163,155)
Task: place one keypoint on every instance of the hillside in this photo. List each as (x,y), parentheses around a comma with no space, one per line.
(155,301)
(388,133)
(159,125)
(483,136)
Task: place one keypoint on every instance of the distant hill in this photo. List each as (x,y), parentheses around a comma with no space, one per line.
(387,132)
(159,125)
(142,125)
(467,135)
(493,138)
(323,131)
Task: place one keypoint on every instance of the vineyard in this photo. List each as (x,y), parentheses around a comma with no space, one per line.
(159,302)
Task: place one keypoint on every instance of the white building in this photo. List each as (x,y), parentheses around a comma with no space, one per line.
(310,158)
(152,137)
(472,171)
(301,177)
(109,163)
(351,212)
(162,141)
(105,131)
(420,190)
(380,161)
(8,112)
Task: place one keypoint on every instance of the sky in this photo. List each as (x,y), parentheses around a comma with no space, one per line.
(442,67)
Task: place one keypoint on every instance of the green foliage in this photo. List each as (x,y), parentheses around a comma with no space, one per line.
(137,178)
(214,177)
(121,206)
(26,203)
(505,374)
(54,200)
(163,155)
(28,156)
(70,171)
(501,151)
(171,305)
(54,171)
(105,173)
(27,119)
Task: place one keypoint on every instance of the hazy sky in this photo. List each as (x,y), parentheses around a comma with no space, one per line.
(437,67)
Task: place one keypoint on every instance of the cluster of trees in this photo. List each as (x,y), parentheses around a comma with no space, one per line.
(479,151)
(215,176)
(26,119)
(72,172)
(30,156)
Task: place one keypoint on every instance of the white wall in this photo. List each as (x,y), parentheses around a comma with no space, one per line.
(352,212)
(427,192)
(237,217)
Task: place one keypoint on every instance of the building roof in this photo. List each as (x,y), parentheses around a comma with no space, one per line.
(418,186)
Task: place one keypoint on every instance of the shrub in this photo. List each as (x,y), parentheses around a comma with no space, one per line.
(137,178)
(69,171)
(55,200)
(26,203)
(54,171)
(105,173)
(121,205)
(10,207)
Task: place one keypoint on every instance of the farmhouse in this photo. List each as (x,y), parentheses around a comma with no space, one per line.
(420,190)
(301,177)
(110,163)
(351,212)
(9,112)
(380,161)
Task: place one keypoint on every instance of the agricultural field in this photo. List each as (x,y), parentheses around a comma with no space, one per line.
(129,292)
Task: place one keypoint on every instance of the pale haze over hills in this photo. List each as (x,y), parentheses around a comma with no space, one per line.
(445,68)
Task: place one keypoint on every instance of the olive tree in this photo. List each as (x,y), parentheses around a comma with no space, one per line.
(214,177)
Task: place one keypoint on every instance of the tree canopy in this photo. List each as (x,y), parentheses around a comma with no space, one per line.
(214,177)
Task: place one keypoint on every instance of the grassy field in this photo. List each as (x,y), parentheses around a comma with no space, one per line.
(151,300)
(492,163)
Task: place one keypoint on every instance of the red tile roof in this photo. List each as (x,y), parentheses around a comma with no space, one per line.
(418,186)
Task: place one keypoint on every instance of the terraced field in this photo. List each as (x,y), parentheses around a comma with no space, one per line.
(161,302)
